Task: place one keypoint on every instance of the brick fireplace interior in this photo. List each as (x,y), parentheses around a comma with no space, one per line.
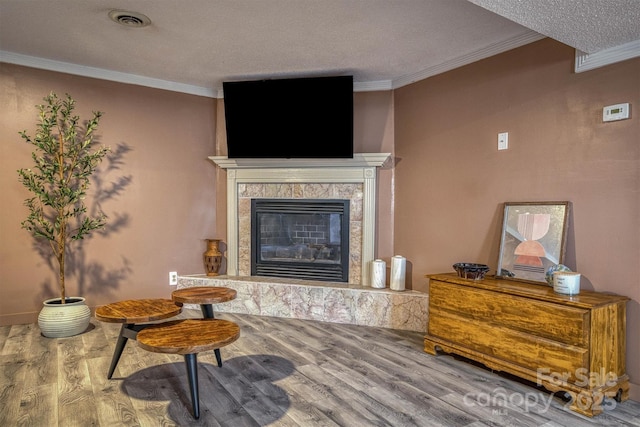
(300,238)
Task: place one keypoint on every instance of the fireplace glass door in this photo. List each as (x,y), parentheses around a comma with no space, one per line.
(300,238)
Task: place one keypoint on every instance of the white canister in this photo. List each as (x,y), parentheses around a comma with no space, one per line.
(378,274)
(566,282)
(398,273)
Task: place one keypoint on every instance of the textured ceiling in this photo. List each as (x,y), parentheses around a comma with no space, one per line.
(587,25)
(383,43)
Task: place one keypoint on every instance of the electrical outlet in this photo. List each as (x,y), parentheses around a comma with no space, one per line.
(173,278)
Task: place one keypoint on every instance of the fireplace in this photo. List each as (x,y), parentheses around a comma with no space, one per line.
(348,179)
(300,238)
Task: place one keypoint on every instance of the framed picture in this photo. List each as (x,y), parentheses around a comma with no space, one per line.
(533,238)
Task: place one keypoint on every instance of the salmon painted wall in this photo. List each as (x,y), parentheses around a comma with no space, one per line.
(170,196)
(163,200)
(451,181)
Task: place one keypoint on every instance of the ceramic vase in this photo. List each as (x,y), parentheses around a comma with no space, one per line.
(378,274)
(398,272)
(58,320)
(212,257)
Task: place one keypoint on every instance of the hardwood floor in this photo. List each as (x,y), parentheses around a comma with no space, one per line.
(281,372)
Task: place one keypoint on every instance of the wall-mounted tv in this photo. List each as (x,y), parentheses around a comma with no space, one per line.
(289,118)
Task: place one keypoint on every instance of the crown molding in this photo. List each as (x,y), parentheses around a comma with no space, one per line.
(586,61)
(116,76)
(102,74)
(372,86)
(491,50)
(379,85)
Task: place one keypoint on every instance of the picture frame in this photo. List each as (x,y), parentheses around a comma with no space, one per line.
(533,239)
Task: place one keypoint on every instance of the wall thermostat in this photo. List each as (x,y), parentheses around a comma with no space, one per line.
(615,112)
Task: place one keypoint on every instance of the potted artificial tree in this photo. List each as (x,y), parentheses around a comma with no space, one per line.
(65,157)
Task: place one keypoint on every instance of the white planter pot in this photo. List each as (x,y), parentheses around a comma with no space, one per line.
(64,320)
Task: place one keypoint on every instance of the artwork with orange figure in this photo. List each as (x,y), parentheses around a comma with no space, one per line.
(529,252)
(533,239)
(532,227)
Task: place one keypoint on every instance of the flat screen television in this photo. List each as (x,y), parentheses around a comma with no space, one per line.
(292,118)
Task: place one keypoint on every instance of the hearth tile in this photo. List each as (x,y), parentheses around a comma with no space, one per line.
(247,299)
(347,191)
(355,271)
(251,190)
(244,261)
(313,191)
(409,311)
(189,282)
(373,309)
(278,191)
(275,300)
(325,301)
(355,252)
(244,207)
(244,233)
(339,305)
(355,239)
(307,302)
(356,209)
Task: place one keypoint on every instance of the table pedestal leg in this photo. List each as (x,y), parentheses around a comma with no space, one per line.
(218,357)
(207,313)
(127,331)
(191,360)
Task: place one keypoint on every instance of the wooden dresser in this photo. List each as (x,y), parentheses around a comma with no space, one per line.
(564,343)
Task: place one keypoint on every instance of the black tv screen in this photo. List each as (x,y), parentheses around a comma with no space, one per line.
(290,118)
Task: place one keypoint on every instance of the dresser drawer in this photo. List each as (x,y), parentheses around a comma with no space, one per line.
(556,322)
(511,346)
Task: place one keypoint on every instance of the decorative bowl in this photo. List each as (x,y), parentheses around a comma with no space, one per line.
(472,271)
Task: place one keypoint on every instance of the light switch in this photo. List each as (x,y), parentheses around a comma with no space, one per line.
(503,141)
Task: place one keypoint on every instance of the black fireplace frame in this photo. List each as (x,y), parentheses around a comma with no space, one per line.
(301,270)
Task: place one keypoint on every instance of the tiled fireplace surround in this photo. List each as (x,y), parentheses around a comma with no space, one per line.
(353,303)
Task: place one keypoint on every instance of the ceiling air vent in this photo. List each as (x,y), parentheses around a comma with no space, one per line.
(129,19)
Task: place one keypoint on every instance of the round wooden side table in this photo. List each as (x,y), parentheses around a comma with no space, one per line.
(131,313)
(205,296)
(189,337)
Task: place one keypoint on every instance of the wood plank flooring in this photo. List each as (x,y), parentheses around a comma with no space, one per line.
(281,372)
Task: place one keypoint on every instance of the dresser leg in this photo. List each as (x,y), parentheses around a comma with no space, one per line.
(430,347)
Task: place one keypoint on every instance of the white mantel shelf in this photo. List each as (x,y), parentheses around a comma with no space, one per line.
(359,160)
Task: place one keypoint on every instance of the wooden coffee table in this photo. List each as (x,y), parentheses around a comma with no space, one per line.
(189,337)
(206,296)
(133,314)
